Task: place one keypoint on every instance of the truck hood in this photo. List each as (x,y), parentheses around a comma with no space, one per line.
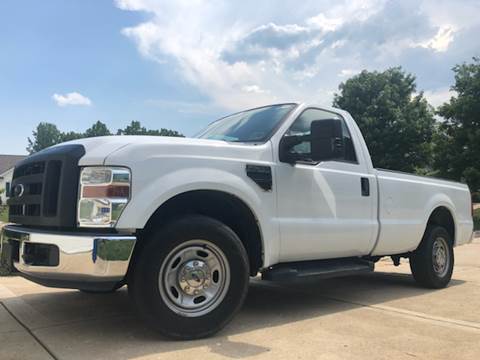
(116,149)
(98,148)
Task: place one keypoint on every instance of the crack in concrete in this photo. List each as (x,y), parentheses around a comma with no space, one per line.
(44,346)
(413,314)
(437,320)
(86,320)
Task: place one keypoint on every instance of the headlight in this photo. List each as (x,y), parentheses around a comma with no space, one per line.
(103,194)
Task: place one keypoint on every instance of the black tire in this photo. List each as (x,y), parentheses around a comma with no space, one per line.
(425,269)
(145,282)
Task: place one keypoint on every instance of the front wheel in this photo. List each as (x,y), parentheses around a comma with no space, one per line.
(432,262)
(190,278)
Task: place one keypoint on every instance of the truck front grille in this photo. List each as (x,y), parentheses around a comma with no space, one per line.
(27,189)
(44,188)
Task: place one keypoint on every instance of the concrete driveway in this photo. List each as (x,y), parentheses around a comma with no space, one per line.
(379,316)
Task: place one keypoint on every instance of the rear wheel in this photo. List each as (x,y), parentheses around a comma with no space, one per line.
(432,262)
(190,278)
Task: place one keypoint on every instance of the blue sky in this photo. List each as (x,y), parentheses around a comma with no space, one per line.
(180,64)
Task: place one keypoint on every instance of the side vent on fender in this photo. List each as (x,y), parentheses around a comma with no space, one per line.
(262,175)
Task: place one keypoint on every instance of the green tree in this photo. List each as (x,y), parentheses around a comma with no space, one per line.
(97,129)
(71,135)
(135,128)
(397,123)
(168,132)
(457,144)
(45,135)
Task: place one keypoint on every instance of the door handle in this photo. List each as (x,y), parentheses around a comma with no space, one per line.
(365,186)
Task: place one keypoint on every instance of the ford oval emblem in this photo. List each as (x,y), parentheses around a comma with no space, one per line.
(18,190)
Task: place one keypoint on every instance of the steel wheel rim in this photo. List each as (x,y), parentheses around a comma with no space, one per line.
(194,278)
(440,257)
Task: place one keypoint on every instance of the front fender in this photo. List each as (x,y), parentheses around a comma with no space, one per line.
(147,198)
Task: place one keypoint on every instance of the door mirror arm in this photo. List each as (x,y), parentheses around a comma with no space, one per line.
(286,144)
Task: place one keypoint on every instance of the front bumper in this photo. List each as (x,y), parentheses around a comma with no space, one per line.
(68,260)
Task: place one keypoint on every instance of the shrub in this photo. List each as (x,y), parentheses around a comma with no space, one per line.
(476,197)
(3,213)
(5,267)
(476,219)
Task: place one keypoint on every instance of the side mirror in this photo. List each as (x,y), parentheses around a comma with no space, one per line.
(326,139)
(286,144)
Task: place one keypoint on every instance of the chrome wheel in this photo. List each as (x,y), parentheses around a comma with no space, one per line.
(194,278)
(440,256)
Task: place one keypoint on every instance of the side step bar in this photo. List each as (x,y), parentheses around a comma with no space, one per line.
(318,269)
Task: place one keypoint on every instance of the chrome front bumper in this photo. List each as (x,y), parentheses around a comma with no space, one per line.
(71,260)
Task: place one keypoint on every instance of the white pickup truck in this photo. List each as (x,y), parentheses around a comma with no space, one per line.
(285,190)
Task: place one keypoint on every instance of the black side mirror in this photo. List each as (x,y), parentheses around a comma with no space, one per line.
(286,144)
(326,139)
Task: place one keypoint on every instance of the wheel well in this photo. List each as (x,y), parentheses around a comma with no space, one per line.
(443,217)
(221,206)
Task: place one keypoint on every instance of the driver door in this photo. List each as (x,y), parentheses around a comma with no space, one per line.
(324,210)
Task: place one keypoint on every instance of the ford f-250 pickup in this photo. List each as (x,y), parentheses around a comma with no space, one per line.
(285,190)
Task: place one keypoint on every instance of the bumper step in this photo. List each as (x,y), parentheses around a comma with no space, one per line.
(318,269)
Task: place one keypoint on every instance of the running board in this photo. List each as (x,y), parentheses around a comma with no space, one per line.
(318,269)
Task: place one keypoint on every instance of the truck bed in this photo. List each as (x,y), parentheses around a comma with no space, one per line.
(405,202)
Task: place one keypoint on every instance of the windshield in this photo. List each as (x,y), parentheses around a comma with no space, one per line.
(254,125)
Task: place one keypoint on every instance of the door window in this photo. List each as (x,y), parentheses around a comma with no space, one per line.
(301,127)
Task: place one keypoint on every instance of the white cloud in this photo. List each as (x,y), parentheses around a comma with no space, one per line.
(442,39)
(439,96)
(348,72)
(253,89)
(73,98)
(248,53)
(185,107)
(325,23)
(339,13)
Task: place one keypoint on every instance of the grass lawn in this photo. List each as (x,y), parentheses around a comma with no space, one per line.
(3,214)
